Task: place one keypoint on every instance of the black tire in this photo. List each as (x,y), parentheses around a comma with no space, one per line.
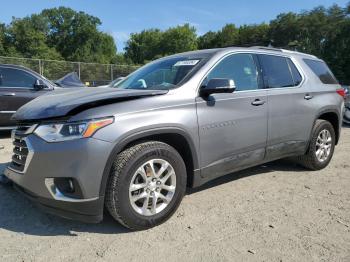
(125,165)
(5,181)
(309,160)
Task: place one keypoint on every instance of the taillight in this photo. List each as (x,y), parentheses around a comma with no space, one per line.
(341,92)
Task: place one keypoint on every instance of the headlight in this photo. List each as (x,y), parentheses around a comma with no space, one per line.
(57,132)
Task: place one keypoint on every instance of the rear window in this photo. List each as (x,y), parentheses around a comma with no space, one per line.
(322,71)
(279,71)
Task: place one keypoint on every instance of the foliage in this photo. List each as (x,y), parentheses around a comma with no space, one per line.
(62,33)
(324,32)
(229,35)
(143,46)
(154,43)
(29,40)
(208,40)
(178,39)
(2,39)
(321,32)
(57,33)
(76,37)
(253,35)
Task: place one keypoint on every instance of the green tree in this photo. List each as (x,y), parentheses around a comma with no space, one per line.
(29,40)
(179,39)
(284,30)
(227,36)
(121,59)
(321,32)
(208,40)
(76,37)
(153,43)
(336,45)
(144,46)
(254,35)
(2,39)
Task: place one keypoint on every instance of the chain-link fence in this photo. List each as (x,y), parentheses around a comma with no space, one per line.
(91,74)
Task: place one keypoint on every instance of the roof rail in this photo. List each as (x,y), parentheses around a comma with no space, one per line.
(267,48)
(283,51)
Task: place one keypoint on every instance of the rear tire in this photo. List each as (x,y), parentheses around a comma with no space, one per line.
(137,174)
(321,147)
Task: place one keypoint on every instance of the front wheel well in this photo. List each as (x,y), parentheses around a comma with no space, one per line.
(178,142)
(334,120)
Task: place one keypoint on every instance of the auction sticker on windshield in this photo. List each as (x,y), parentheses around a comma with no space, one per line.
(186,63)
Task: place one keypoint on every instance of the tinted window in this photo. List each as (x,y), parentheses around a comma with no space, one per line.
(322,71)
(10,77)
(239,67)
(277,72)
(295,73)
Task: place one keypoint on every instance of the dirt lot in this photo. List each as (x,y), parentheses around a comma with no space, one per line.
(274,212)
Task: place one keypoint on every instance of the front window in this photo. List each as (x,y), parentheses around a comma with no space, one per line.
(164,74)
(10,77)
(240,68)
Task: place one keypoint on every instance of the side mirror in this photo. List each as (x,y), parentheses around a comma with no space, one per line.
(39,84)
(218,85)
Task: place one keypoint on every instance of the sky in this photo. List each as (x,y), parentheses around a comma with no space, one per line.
(120,18)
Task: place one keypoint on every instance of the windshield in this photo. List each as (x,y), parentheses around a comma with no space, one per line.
(164,74)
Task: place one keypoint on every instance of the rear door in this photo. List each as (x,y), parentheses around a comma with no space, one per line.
(233,127)
(16,89)
(289,106)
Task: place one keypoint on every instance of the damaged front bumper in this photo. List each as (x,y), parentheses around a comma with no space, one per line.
(40,169)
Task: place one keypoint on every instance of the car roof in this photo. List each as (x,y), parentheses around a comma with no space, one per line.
(20,67)
(271,50)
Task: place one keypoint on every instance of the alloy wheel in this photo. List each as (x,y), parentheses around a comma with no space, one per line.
(152,187)
(323,145)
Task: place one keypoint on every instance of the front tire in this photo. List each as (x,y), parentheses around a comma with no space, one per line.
(321,147)
(146,185)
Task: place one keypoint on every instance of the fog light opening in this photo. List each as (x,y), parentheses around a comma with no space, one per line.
(64,187)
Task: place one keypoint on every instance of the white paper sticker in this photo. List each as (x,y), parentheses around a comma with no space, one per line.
(186,63)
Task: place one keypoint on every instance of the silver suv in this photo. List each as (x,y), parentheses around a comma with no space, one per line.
(179,121)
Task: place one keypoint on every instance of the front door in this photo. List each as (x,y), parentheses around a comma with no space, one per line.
(233,127)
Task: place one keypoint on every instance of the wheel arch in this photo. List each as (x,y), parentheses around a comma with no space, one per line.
(174,136)
(331,116)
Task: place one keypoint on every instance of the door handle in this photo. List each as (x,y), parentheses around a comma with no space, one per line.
(308,97)
(258,102)
(9,94)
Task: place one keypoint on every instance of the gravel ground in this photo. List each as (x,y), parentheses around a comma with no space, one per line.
(274,212)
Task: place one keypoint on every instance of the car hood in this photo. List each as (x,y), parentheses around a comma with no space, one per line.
(70,80)
(65,102)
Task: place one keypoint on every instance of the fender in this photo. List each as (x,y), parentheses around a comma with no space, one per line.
(321,112)
(143,134)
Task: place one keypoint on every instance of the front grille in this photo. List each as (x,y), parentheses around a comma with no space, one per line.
(20,149)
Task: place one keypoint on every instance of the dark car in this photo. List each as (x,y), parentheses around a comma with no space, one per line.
(19,85)
(346,118)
